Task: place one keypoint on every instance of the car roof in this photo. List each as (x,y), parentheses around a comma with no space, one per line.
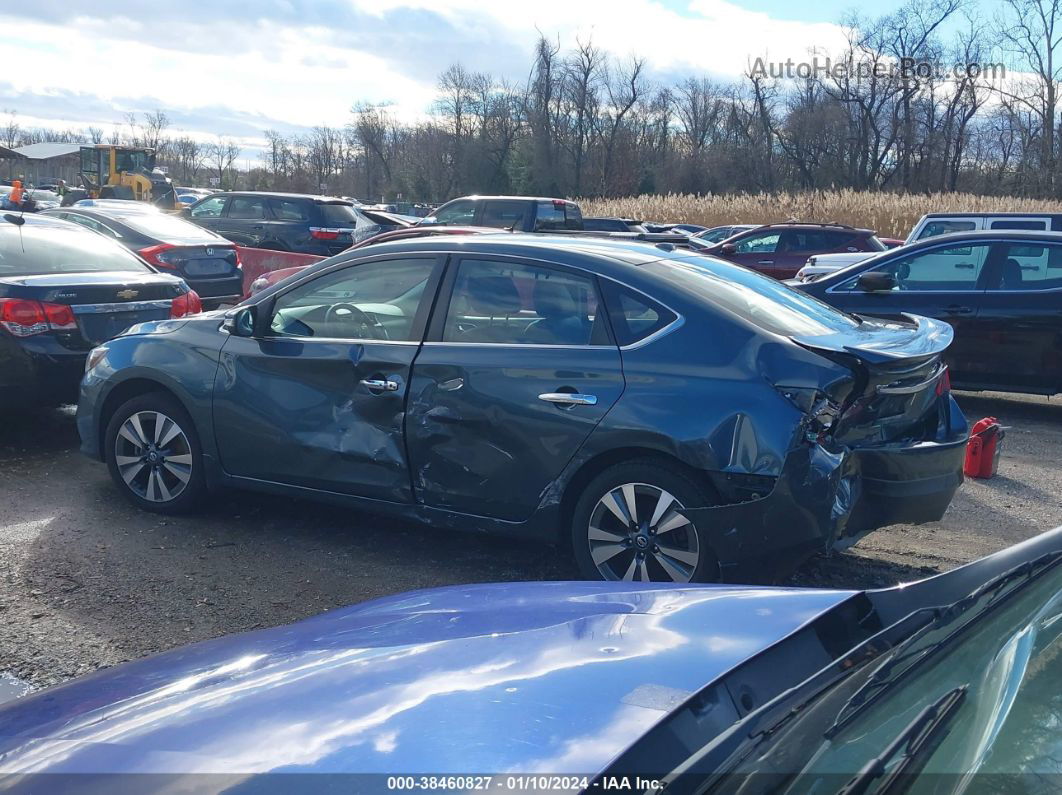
(812,225)
(45,219)
(313,197)
(479,197)
(993,215)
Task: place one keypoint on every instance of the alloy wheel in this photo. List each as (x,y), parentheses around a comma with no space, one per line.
(153,456)
(638,534)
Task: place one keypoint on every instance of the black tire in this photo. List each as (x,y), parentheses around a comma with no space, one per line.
(682,537)
(138,489)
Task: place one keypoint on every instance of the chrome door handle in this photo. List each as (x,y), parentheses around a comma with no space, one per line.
(379,384)
(765,262)
(574,398)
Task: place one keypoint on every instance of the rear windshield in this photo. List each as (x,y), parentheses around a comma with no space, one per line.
(162,226)
(558,215)
(764,301)
(49,249)
(338,215)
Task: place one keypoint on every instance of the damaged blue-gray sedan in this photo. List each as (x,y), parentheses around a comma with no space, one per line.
(677,417)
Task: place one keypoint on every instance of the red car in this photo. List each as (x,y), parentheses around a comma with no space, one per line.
(271,278)
(780,250)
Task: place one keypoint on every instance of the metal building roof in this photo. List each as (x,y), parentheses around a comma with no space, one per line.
(46,151)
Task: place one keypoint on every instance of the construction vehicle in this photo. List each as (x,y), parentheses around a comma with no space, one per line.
(125,172)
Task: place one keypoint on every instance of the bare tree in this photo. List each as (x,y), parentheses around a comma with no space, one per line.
(220,155)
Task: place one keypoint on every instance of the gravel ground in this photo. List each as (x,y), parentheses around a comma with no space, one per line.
(88,581)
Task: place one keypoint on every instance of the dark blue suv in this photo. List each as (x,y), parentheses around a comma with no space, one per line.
(675,416)
(298,222)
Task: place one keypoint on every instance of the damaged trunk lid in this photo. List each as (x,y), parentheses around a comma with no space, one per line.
(900,378)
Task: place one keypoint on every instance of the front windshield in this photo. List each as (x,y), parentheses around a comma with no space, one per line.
(760,299)
(1005,735)
(34,249)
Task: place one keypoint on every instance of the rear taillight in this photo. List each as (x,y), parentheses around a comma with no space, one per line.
(25,318)
(944,383)
(187,304)
(321,233)
(157,255)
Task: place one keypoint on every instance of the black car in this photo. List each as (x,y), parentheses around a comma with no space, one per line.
(298,222)
(64,290)
(516,213)
(677,417)
(616,225)
(1000,290)
(209,263)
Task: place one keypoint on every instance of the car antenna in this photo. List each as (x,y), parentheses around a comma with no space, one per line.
(18,221)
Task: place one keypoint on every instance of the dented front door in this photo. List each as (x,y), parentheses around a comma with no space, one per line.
(298,412)
(317,397)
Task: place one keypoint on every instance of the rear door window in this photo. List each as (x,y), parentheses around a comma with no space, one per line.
(341,216)
(558,214)
(289,210)
(1032,224)
(1024,266)
(252,208)
(504,214)
(517,304)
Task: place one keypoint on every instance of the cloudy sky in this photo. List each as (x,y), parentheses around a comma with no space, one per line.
(237,67)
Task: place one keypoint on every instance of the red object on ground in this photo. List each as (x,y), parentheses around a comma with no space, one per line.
(983,449)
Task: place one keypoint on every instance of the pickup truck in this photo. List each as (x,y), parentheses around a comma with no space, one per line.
(517,213)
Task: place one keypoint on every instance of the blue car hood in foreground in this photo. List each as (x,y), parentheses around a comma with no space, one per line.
(550,677)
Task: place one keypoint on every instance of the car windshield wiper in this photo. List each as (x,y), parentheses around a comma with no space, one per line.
(920,735)
(894,669)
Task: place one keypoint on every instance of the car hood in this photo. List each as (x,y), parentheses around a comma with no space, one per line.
(550,677)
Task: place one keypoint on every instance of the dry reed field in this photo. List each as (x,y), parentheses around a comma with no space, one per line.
(889,214)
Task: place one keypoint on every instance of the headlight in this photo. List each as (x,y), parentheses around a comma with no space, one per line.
(94,357)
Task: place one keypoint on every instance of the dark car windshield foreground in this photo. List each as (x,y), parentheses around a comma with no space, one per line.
(501,379)
(572,686)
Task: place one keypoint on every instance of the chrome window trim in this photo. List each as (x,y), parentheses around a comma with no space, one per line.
(128,306)
(436,344)
(337,340)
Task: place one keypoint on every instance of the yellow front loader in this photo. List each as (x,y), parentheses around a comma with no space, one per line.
(125,172)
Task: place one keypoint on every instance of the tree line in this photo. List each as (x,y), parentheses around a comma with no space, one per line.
(587,123)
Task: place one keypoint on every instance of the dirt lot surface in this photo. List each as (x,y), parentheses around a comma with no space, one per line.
(87,581)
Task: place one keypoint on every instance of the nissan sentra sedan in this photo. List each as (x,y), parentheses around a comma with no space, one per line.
(947,684)
(675,417)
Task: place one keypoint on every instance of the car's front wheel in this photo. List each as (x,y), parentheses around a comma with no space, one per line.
(628,525)
(154,456)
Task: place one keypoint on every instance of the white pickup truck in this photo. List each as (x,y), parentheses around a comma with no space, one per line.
(931,225)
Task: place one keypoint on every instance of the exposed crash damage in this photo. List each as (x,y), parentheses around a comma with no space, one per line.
(881,444)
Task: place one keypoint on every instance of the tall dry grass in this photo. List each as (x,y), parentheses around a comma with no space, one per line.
(889,214)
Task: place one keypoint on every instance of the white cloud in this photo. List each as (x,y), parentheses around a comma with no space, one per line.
(304,63)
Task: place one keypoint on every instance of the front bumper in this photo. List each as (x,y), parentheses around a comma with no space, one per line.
(38,373)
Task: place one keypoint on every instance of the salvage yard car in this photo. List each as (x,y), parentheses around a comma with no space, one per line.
(207,262)
(1001,291)
(661,409)
(64,289)
(780,250)
(508,687)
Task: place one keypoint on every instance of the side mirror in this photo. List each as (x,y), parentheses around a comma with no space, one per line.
(728,248)
(241,322)
(876,282)
(185,209)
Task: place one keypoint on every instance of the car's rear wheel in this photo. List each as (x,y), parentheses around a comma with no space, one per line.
(154,456)
(628,525)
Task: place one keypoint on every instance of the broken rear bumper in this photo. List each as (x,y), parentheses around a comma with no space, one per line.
(827,499)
